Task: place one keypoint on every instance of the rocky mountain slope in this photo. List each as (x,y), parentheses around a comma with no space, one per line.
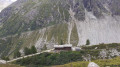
(48,22)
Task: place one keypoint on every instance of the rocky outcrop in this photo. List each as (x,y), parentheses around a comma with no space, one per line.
(109,53)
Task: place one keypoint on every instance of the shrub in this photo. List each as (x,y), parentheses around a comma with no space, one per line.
(28,51)
(5,58)
(46,59)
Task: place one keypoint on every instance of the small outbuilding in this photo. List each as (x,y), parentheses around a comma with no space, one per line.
(76,49)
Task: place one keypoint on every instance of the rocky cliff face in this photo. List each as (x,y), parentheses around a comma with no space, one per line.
(47,22)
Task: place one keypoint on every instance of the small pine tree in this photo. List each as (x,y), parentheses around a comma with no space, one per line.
(27,51)
(17,54)
(88,42)
(33,50)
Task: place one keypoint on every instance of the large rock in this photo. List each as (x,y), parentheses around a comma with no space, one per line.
(92,64)
(2,62)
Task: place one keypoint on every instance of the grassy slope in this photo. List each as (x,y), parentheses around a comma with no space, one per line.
(115,62)
(58,30)
(13,43)
(9,65)
(41,13)
(74,36)
(74,64)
